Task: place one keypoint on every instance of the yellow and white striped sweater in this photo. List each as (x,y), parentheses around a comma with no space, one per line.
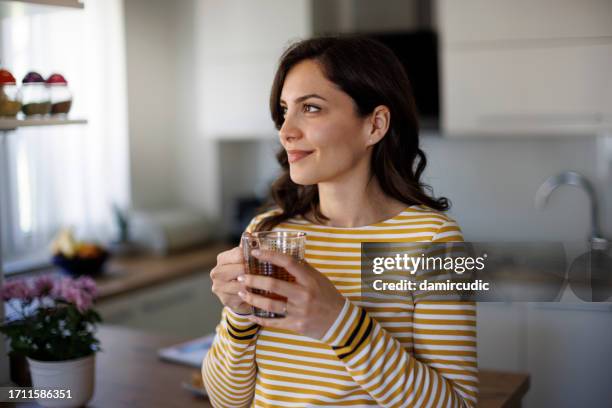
(388,353)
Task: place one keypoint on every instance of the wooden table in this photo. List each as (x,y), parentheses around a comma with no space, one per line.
(129,374)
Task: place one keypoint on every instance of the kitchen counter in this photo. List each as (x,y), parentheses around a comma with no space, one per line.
(127,274)
(129,374)
(130,273)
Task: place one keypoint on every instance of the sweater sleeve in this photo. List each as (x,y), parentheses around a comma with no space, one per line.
(229,368)
(440,371)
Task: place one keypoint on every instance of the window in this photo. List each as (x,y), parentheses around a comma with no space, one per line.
(65,176)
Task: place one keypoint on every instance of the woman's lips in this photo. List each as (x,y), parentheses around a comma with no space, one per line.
(295,155)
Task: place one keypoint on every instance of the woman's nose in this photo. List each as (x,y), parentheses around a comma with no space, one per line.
(289,131)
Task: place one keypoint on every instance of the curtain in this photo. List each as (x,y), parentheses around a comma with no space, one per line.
(70,175)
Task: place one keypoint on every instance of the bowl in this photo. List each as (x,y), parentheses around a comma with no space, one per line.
(81,266)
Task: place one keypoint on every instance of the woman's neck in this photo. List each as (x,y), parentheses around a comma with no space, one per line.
(351,204)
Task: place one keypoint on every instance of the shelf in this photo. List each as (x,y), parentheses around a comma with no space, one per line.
(12,124)
(55,3)
(17,8)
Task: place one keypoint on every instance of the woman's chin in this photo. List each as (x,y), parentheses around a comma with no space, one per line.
(302,179)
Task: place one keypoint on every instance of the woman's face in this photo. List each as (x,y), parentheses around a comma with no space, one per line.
(324,137)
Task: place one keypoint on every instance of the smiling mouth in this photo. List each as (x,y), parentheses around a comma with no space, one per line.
(296,155)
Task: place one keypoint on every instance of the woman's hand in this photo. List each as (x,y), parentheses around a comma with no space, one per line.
(230,265)
(313,302)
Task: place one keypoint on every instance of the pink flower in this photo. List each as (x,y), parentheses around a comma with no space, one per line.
(60,288)
(84,302)
(78,292)
(88,285)
(79,298)
(16,289)
(43,286)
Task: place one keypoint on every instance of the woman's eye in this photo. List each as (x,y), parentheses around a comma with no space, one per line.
(283,110)
(311,108)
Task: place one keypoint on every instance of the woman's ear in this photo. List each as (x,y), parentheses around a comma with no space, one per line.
(378,123)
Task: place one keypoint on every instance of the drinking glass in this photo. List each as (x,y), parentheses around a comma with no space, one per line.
(286,242)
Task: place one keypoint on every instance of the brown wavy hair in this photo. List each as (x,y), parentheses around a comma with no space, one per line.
(371,75)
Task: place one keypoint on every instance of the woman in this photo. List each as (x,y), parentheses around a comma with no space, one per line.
(352,167)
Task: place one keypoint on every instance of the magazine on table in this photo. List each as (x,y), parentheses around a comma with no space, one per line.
(190,353)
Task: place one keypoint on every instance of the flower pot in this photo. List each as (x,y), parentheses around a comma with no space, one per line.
(20,371)
(76,376)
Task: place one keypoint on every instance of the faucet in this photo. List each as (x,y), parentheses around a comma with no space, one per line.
(578,180)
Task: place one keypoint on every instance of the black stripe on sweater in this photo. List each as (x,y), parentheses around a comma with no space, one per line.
(365,335)
(354,333)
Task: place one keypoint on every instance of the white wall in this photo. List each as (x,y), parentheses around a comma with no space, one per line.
(196,156)
(151,39)
(492,184)
(199,71)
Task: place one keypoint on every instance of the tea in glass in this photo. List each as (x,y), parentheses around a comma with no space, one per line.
(287,242)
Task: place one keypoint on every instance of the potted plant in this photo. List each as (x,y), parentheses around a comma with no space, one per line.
(52,323)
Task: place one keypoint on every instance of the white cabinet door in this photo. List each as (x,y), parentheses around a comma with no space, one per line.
(469,21)
(237,47)
(552,91)
(501,335)
(538,67)
(569,356)
(184,307)
(564,347)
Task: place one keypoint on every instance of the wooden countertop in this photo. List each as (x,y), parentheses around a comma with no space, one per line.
(500,389)
(124,275)
(129,374)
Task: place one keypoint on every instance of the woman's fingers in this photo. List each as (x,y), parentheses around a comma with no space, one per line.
(231,256)
(265,303)
(299,269)
(230,288)
(227,272)
(270,284)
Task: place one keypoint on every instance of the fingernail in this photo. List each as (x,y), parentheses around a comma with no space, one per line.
(256,252)
(241,294)
(240,278)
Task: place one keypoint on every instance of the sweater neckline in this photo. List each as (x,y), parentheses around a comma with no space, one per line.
(302,219)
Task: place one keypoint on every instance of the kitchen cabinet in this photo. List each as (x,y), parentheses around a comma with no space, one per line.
(526,68)
(184,307)
(568,354)
(563,346)
(235,71)
(482,21)
(501,326)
